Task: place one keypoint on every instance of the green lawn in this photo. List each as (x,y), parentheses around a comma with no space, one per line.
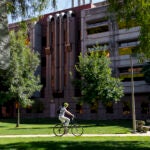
(44,126)
(76,143)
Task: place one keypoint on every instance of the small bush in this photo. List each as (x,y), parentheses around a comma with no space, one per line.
(145,129)
(139,126)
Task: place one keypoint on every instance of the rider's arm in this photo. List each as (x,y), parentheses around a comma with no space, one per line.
(69,113)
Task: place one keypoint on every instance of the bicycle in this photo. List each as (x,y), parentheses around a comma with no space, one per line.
(60,129)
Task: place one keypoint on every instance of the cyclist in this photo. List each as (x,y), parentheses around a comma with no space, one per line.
(62,112)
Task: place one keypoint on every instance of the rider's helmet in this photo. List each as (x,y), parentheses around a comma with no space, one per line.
(66,104)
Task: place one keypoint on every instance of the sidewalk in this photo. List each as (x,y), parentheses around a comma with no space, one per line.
(84,135)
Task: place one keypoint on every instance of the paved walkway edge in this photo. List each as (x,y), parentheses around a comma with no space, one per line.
(84,135)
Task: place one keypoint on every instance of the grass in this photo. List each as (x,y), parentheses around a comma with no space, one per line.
(44,126)
(74,143)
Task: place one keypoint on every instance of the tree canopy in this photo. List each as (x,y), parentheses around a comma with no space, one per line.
(21,79)
(23,9)
(146,72)
(137,10)
(27,8)
(96,81)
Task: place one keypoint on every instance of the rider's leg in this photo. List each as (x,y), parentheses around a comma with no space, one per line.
(62,119)
(65,120)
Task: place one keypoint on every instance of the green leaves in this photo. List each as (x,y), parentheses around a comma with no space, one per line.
(96,81)
(146,71)
(138,10)
(27,8)
(21,72)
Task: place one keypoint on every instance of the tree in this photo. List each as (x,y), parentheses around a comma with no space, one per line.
(23,9)
(27,8)
(96,82)
(146,71)
(21,79)
(137,11)
(4,38)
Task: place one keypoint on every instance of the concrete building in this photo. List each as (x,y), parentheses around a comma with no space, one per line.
(100,27)
(61,36)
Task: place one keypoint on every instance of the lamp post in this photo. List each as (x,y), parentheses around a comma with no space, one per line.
(133,98)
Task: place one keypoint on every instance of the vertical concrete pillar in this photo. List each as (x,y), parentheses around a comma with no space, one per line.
(48,61)
(83,2)
(37,46)
(56,59)
(79,2)
(61,52)
(72,3)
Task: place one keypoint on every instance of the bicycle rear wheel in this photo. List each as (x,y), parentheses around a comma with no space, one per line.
(58,130)
(76,130)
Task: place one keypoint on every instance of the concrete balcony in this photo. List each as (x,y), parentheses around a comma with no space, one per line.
(139,87)
(124,61)
(127,34)
(97,38)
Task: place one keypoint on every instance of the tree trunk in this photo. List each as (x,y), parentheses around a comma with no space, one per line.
(18,116)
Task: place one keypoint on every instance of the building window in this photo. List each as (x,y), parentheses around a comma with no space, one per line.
(109,107)
(29,109)
(125,51)
(96,30)
(126,108)
(79,108)
(43,62)
(43,41)
(144,107)
(94,107)
(43,81)
(127,47)
(125,74)
(132,23)
(38,106)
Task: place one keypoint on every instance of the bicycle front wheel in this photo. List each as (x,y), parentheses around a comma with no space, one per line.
(58,130)
(76,130)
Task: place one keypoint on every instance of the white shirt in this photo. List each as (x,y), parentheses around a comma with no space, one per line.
(62,111)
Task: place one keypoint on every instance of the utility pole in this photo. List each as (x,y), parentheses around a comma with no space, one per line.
(133,98)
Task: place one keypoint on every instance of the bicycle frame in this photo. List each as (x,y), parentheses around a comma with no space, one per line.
(60,129)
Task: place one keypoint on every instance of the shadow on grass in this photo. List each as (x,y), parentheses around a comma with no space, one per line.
(84,123)
(31,121)
(71,145)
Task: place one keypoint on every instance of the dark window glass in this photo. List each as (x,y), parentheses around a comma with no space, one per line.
(144,107)
(126,108)
(43,41)
(109,107)
(79,108)
(43,61)
(94,107)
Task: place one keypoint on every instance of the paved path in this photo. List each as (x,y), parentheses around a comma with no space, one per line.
(84,135)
